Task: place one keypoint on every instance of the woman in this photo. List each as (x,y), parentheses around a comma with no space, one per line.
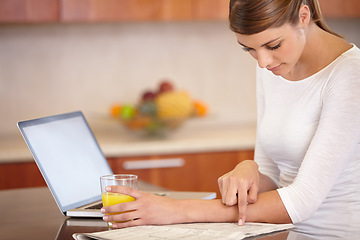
(307,155)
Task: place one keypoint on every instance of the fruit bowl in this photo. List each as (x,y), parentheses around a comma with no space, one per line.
(159,111)
(152,126)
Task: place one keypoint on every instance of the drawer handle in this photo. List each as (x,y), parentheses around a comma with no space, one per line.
(156,163)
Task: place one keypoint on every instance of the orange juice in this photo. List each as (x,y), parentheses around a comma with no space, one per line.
(109,198)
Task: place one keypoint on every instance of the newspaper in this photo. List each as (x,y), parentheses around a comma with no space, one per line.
(196,231)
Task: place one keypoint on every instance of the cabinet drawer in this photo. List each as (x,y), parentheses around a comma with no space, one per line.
(182,172)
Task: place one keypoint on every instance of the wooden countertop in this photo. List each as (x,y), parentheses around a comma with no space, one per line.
(195,136)
(31,213)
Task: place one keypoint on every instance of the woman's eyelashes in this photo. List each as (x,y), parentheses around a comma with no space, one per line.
(247,49)
(274,47)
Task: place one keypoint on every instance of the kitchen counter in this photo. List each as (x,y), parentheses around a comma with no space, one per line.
(196,135)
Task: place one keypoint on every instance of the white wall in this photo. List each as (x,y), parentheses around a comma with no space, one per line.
(51,69)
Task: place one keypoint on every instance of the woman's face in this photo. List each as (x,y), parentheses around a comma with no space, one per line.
(277,49)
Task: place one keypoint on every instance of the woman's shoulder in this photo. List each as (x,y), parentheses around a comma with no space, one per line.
(344,72)
(333,52)
(347,61)
(350,59)
(352,53)
(349,49)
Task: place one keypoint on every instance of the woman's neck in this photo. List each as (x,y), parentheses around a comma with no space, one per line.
(320,50)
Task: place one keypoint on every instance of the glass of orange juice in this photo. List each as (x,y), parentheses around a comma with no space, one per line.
(109,198)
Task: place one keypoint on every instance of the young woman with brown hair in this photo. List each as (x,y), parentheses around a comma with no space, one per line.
(307,154)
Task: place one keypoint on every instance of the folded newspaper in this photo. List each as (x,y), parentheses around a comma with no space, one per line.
(186,231)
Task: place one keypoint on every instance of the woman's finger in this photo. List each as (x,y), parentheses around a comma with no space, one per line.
(124,190)
(220,184)
(230,197)
(118,208)
(132,223)
(252,193)
(121,216)
(242,205)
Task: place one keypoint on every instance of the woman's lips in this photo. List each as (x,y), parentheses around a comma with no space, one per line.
(274,68)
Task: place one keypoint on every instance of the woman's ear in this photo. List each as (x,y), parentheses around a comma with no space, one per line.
(304,16)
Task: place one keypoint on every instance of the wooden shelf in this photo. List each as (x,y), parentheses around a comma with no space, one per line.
(124,10)
(37,11)
(142,10)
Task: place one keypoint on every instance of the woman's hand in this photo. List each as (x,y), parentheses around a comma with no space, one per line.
(240,186)
(146,209)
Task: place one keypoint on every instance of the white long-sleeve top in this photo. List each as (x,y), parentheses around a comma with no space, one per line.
(308,139)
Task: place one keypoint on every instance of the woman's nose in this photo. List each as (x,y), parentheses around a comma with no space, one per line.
(264,59)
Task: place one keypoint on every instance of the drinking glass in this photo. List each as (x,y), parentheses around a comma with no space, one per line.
(110,198)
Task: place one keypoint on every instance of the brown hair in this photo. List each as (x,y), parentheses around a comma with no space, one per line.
(254,16)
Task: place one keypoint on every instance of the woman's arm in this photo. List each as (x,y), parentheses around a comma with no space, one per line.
(268,208)
(266,183)
(152,209)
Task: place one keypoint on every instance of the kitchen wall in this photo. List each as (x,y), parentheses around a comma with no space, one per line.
(50,69)
(54,68)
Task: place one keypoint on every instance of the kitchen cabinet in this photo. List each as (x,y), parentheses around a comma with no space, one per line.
(19,11)
(20,175)
(139,10)
(110,10)
(210,10)
(198,171)
(124,10)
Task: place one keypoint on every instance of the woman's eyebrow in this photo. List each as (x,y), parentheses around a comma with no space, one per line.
(271,41)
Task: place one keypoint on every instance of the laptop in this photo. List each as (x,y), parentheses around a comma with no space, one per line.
(71,163)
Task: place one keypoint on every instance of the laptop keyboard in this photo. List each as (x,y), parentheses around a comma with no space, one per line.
(96,206)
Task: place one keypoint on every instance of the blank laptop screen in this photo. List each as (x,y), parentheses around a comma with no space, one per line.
(68,156)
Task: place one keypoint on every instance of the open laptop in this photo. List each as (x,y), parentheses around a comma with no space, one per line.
(71,162)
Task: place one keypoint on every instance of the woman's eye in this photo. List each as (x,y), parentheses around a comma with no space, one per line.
(246,49)
(275,47)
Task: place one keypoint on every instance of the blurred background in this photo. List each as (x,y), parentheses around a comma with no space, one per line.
(62,55)
(86,59)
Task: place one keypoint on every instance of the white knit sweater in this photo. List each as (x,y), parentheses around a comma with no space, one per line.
(308,143)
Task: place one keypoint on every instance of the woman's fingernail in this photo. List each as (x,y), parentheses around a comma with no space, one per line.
(102,210)
(108,188)
(240,222)
(105,218)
